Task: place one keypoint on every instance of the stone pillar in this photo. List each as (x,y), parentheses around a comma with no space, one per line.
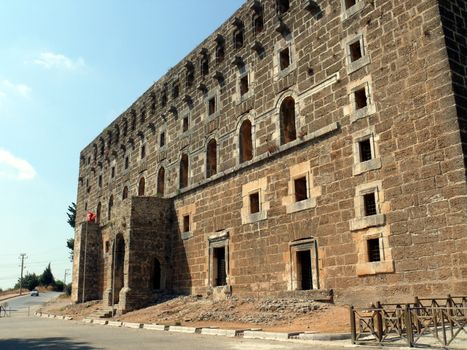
(86,263)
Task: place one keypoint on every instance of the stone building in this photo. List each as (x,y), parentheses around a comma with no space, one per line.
(305,146)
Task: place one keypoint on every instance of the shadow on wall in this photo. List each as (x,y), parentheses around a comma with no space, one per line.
(44,343)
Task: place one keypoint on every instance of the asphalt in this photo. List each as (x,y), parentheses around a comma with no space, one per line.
(24,303)
(27,333)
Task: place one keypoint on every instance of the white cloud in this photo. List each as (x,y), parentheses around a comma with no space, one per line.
(50,60)
(7,87)
(14,168)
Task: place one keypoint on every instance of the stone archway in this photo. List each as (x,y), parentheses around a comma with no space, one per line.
(118,267)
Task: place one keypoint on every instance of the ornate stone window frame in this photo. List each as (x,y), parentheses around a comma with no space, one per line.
(362,221)
(242,72)
(258,186)
(281,45)
(189,210)
(375,161)
(369,109)
(303,245)
(362,61)
(365,267)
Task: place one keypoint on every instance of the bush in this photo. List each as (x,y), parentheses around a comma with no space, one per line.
(59,286)
(30,281)
(68,289)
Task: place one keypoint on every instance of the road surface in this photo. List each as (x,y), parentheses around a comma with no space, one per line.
(23,303)
(27,333)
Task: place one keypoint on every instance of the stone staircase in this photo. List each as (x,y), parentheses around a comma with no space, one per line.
(104,312)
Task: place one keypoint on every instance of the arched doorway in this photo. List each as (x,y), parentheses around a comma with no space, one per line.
(118,267)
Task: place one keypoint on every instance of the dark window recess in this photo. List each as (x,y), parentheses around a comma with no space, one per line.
(304,270)
(283,6)
(143,151)
(360,98)
(161,181)
(284,58)
(212,106)
(183,180)
(98,212)
(355,51)
(300,189)
(141,186)
(211,163)
(190,77)
(238,38)
(162,140)
(112,172)
(127,162)
(369,202)
(156,276)
(175,90)
(287,120)
(125,128)
(220,52)
(349,3)
(254,203)
(186,223)
(185,124)
(258,23)
(246,144)
(205,65)
(244,85)
(164,99)
(109,209)
(133,122)
(125,192)
(365,150)
(373,250)
(107,246)
(100,181)
(220,264)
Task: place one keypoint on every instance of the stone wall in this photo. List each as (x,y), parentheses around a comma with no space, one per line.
(394,53)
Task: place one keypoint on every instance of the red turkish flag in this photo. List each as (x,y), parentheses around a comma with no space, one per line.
(90,217)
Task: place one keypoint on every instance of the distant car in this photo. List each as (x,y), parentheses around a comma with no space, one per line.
(34,293)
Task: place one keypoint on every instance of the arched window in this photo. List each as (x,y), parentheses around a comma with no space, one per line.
(190,74)
(258,21)
(238,37)
(204,64)
(246,142)
(282,6)
(111,204)
(183,181)
(211,158)
(98,212)
(125,193)
(141,186)
(220,49)
(161,181)
(287,121)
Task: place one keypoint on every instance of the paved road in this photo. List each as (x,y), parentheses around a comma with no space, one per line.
(27,333)
(24,302)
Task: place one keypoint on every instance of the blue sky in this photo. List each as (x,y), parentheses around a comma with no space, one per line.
(67,69)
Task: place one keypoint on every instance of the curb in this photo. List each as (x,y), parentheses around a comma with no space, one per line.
(251,333)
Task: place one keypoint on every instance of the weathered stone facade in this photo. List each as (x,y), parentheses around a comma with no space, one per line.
(305,145)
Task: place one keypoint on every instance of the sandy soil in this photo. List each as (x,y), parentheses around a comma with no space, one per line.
(286,315)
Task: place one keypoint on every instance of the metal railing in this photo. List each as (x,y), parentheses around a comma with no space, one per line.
(442,318)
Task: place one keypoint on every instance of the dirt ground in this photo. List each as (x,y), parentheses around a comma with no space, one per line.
(269,314)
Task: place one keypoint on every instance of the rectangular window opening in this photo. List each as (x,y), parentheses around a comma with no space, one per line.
(244,85)
(284,58)
(301,192)
(360,98)
(143,151)
(349,3)
(369,202)
(365,150)
(355,51)
(212,106)
(254,203)
(113,172)
(100,181)
(220,276)
(304,273)
(185,124)
(127,162)
(373,250)
(162,139)
(186,223)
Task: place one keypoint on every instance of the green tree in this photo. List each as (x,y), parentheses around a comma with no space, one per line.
(70,243)
(30,281)
(71,215)
(47,277)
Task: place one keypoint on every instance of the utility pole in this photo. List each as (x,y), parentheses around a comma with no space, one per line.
(22,256)
(64,277)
